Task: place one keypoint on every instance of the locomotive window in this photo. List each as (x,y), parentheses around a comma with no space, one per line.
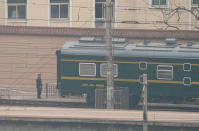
(187,67)
(187,81)
(103,70)
(87,69)
(143,65)
(165,72)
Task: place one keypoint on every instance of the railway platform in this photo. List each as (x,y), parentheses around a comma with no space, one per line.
(31,94)
(118,119)
(29,98)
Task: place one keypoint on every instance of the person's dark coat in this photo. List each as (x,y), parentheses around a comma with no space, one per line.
(39,86)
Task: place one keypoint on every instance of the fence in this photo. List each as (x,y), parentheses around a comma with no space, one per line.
(51,90)
(15,94)
(121,98)
(4,93)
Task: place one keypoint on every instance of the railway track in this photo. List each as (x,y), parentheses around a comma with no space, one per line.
(151,106)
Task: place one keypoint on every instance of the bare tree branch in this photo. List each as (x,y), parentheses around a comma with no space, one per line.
(169,25)
(168,14)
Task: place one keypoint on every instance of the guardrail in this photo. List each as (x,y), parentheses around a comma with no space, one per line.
(51,90)
(121,98)
(6,93)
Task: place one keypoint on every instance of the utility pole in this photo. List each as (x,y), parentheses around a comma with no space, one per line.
(110,83)
(145,101)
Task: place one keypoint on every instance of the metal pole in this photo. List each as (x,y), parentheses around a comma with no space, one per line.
(110,83)
(145,125)
(46,89)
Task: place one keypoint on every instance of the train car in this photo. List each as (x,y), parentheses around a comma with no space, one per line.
(172,69)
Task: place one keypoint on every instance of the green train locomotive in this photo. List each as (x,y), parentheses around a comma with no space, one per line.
(172,70)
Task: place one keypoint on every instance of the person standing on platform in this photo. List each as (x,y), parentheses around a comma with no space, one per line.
(39,86)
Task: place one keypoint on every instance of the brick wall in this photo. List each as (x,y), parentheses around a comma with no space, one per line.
(22,57)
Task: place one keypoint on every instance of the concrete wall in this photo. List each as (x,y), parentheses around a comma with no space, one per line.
(82,13)
(2,13)
(37,12)
(141,11)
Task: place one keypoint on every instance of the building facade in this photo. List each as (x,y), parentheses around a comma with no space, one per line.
(126,14)
(32,30)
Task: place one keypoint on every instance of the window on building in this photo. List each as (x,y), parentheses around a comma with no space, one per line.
(159,2)
(87,69)
(59,9)
(195,2)
(165,72)
(104,68)
(100,8)
(16,9)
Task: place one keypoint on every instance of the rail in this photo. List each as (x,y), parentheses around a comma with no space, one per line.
(52,90)
(6,93)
